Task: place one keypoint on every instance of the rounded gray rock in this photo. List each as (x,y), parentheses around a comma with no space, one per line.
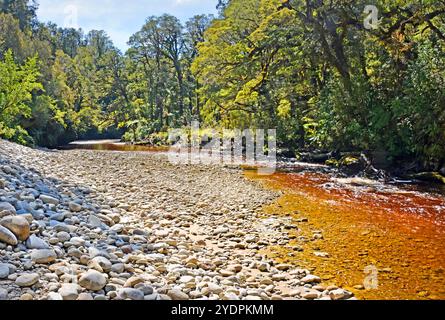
(27,280)
(35,242)
(93,280)
(132,294)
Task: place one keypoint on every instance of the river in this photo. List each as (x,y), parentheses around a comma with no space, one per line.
(379,240)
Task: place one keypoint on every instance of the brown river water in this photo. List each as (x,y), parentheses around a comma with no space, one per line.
(353,232)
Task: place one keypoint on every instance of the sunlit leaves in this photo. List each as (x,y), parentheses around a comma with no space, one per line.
(17,82)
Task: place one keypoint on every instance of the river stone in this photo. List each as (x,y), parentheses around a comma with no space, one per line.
(69,291)
(103,262)
(54,296)
(133,281)
(77,241)
(118,228)
(12,268)
(75,207)
(118,267)
(132,294)
(176,294)
(58,216)
(63,236)
(95,221)
(95,252)
(18,225)
(229,296)
(43,256)
(4,271)
(310,295)
(3,294)
(28,217)
(7,236)
(339,294)
(187,279)
(6,209)
(4,214)
(35,242)
(85,297)
(145,288)
(214,288)
(151,297)
(26,297)
(49,200)
(93,280)
(27,280)
(311,279)
(58,226)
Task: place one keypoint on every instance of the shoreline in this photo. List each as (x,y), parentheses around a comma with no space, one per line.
(430,180)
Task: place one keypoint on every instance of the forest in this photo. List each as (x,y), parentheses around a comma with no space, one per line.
(310,68)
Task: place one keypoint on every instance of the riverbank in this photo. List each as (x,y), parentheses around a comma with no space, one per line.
(130,225)
(372,165)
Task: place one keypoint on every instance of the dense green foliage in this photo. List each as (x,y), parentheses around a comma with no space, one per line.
(312,69)
(309,68)
(81,86)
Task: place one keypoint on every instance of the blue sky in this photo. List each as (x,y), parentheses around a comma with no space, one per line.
(119,18)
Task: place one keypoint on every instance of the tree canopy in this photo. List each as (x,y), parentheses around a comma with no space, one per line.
(310,68)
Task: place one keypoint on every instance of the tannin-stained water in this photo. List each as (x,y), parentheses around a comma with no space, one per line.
(399,232)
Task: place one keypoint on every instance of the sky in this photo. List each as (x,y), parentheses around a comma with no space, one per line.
(119,18)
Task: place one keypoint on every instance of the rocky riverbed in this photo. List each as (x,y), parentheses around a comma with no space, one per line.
(91,225)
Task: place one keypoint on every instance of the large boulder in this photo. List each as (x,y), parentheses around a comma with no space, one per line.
(17,225)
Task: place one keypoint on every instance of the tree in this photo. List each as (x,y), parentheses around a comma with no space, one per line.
(308,68)
(12,38)
(194,35)
(158,47)
(311,69)
(17,84)
(100,42)
(23,10)
(222,5)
